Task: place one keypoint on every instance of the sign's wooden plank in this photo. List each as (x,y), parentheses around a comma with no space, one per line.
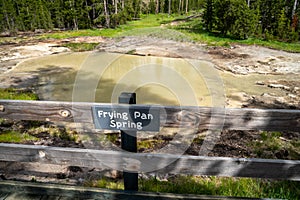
(170,116)
(165,163)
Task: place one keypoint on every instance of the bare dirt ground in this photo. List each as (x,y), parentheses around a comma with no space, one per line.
(238,60)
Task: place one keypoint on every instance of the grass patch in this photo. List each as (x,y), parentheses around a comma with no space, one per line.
(16,137)
(274,145)
(114,137)
(64,134)
(15,94)
(53,131)
(236,187)
(285,46)
(218,186)
(158,32)
(107,183)
(23,131)
(149,144)
(146,21)
(79,47)
(141,144)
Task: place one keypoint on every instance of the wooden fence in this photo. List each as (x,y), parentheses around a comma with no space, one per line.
(171,116)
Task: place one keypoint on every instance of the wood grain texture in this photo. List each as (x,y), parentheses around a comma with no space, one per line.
(171,116)
(76,192)
(164,163)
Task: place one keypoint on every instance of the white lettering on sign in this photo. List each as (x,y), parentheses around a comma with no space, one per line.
(113,115)
(128,124)
(139,115)
(139,118)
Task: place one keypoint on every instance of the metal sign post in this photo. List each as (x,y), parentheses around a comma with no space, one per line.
(129,143)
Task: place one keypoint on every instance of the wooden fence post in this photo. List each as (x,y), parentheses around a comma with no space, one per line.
(129,143)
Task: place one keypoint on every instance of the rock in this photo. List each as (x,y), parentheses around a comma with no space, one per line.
(262,72)
(259,83)
(56,50)
(280,86)
(280,100)
(30,51)
(39,31)
(286,88)
(264,95)
(268,60)
(5,34)
(292,96)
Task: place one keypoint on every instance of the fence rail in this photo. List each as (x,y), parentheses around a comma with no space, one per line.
(171,116)
(138,162)
(55,191)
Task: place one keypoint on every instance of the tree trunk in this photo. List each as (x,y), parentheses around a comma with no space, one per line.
(123,4)
(248,3)
(75,23)
(157,7)
(72,6)
(107,20)
(179,8)
(294,8)
(169,10)
(116,6)
(186,6)
(5,13)
(88,15)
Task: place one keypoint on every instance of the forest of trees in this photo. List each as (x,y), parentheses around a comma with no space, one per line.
(271,19)
(23,15)
(276,19)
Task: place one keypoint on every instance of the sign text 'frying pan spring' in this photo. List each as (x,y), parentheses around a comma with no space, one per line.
(138,118)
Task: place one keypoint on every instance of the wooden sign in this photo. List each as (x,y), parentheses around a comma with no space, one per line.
(126,117)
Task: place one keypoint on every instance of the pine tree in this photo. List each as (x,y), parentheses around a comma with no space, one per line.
(152,7)
(223,15)
(1,17)
(270,14)
(209,14)
(230,17)
(244,20)
(9,16)
(283,25)
(56,9)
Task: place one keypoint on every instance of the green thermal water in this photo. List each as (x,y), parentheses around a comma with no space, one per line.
(101,77)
